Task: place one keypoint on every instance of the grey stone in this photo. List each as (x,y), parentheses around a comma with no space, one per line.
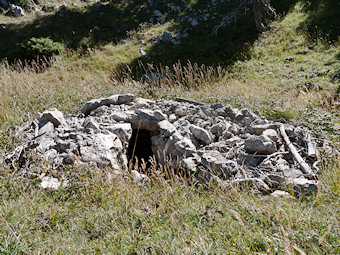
(259,129)
(201,134)
(172,118)
(61,146)
(46,142)
(219,128)
(303,186)
(121,116)
(166,37)
(48,127)
(147,119)
(228,111)
(207,141)
(249,160)
(123,131)
(227,135)
(272,134)
(50,183)
(166,128)
(54,116)
(170,144)
(157,13)
(255,183)
(90,123)
(217,164)
(115,99)
(143,52)
(105,151)
(185,146)
(281,193)
(292,173)
(17,11)
(189,164)
(259,144)
(138,177)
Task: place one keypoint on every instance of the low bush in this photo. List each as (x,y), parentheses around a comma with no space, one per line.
(41,47)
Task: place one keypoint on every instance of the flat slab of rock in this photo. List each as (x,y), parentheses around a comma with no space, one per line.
(115,99)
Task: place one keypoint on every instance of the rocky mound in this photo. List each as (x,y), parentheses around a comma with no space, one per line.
(206,141)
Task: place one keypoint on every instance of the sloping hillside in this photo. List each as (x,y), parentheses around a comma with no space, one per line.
(290,73)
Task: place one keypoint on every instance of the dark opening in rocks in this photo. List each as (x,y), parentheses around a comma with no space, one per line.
(140,147)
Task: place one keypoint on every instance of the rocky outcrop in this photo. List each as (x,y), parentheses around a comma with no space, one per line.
(236,146)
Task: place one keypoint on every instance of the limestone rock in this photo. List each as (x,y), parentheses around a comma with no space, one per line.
(201,134)
(281,193)
(147,119)
(138,177)
(217,164)
(259,144)
(255,183)
(259,129)
(17,11)
(54,116)
(166,128)
(47,127)
(123,131)
(90,123)
(185,146)
(166,37)
(50,183)
(105,151)
(115,99)
(303,186)
(271,133)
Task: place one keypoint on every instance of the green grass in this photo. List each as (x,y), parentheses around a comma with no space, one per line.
(99,215)
(102,215)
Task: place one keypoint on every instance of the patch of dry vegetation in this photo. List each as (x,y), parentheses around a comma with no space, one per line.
(101,215)
(97,214)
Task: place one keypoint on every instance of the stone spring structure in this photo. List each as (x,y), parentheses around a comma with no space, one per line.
(208,141)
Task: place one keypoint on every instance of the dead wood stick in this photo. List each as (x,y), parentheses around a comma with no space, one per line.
(184,100)
(304,166)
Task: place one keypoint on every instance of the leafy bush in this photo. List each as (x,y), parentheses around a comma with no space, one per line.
(38,47)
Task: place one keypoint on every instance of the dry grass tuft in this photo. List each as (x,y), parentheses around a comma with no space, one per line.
(190,76)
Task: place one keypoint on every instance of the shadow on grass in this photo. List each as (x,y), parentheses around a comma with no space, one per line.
(323,19)
(77,29)
(201,46)
(82,28)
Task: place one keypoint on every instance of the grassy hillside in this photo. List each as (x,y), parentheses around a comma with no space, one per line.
(290,72)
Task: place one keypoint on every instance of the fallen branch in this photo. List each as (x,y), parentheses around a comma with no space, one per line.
(304,166)
(184,100)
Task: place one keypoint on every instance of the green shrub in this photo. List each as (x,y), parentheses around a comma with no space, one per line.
(38,47)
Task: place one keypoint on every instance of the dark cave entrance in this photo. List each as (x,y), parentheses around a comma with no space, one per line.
(140,147)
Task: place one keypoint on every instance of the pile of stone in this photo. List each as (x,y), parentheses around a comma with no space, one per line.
(13,9)
(206,141)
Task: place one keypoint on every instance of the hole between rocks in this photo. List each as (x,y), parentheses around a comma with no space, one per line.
(140,148)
